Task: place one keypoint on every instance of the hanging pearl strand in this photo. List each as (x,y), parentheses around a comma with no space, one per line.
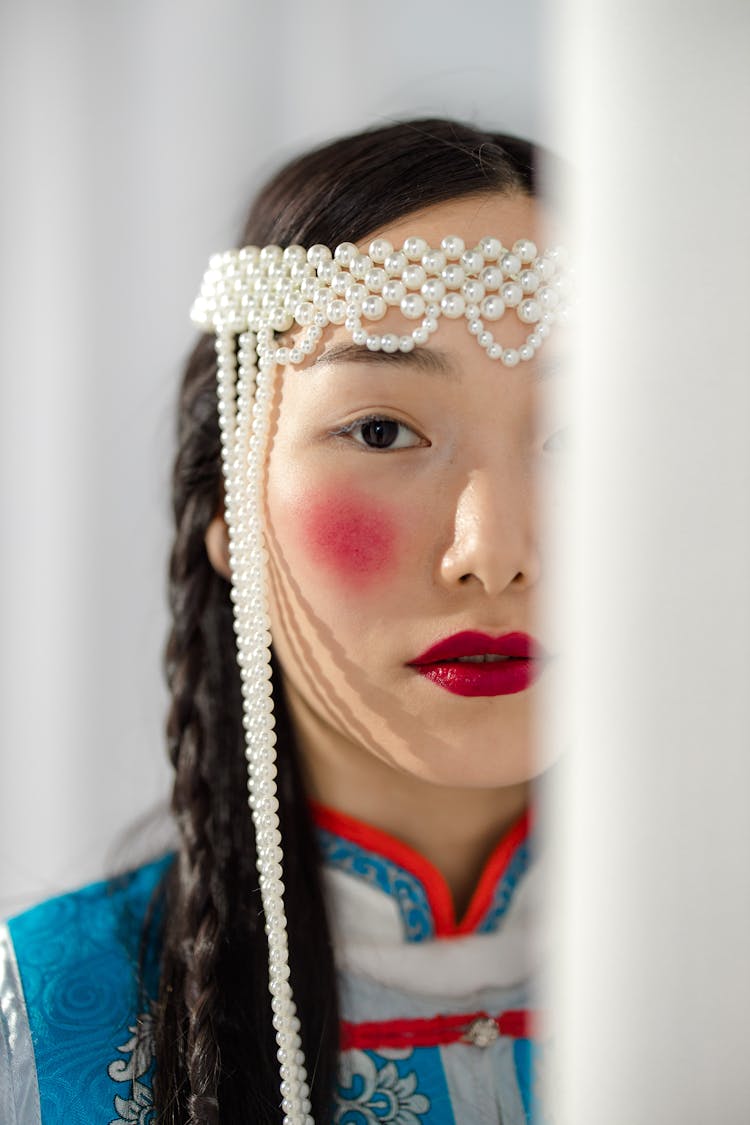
(244,418)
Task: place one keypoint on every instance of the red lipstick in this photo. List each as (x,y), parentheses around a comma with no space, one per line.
(442,663)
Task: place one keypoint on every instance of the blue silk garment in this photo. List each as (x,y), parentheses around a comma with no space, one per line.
(435,1011)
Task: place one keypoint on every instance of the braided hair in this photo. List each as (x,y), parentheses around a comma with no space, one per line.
(214,1041)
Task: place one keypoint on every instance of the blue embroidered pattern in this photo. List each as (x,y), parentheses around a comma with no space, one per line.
(395,881)
(501,899)
(388,1088)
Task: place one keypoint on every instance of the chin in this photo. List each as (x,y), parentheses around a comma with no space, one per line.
(483,767)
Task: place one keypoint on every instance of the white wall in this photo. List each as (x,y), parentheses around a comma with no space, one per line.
(651,911)
(133,133)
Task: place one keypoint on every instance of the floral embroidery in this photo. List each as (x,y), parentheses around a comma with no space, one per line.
(138,1109)
(368,1095)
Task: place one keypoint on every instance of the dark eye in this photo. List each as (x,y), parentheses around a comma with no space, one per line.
(381,433)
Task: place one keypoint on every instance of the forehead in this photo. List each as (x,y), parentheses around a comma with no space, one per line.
(507,217)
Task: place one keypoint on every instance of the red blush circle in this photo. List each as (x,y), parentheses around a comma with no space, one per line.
(350,536)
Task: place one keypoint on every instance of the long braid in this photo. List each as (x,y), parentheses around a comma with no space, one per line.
(191,578)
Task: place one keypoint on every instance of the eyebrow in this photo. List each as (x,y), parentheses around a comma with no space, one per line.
(422,359)
(430,360)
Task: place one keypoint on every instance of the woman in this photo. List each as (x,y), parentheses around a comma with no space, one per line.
(387,528)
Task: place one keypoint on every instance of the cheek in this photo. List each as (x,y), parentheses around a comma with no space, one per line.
(351,536)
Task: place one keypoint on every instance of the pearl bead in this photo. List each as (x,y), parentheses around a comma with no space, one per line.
(494,351)
(344,253)
(375,279)
(373,308)
(434,261)
(529,280)
(525,249)
(453,247)
(491,277)
(529,311)
(433,289)
(304,313)
(492,307)
(472,261)
(395,264)
(394,292)
(453,305)
(379,249)
(359,265)
(359,336)
(405,344)
(337,312)
(414,277)
(453,276)
(294,254)
(414,248)
(389,342)
(511,293)
(420,335)
(373,343)
(340,283)
(318,254)
(526,352)
(510,264)
(491,248)
(412,306)
(473,290)
(510,357)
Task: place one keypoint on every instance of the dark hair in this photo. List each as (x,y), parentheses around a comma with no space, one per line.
(215,1047)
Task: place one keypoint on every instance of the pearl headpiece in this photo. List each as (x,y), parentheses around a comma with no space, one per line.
(248,295)
(272,290)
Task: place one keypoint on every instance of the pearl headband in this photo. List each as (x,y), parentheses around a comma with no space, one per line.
(271,290)
(250,294)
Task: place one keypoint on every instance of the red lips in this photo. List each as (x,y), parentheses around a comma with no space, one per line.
(440,663)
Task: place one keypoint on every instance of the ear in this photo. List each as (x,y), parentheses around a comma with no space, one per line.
(217,546)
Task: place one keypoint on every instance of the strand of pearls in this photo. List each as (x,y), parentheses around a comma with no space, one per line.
(272,290)
(244,416)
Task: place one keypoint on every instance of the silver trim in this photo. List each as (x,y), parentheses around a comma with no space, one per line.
(19,1090)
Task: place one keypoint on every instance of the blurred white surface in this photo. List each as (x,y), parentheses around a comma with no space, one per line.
(133,134)
(651,911)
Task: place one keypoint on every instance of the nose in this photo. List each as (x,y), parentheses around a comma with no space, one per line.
(493,540)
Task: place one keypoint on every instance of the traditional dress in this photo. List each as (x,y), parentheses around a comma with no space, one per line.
(436,1026)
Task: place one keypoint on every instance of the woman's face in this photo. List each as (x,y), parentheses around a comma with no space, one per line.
(401,510)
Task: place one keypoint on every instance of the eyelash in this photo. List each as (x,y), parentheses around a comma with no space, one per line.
(348,431)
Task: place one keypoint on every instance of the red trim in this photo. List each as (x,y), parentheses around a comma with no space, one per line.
(436,888)
(429,1032)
